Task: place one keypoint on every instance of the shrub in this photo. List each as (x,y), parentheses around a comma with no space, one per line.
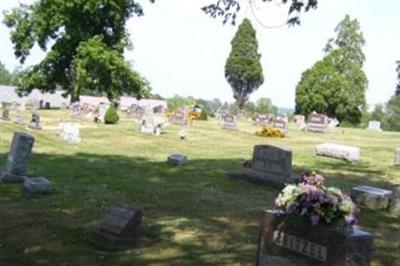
(203,116)
(111,116)
(270,132)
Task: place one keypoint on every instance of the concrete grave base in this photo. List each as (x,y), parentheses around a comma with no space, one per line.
(336,151)
(8,177)
(177,159)
(371,197)
(263,177)
(107,241)
(36,186)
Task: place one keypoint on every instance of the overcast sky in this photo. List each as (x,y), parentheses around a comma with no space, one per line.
(182,51)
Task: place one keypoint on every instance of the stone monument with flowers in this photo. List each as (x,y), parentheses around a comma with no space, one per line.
(312,225)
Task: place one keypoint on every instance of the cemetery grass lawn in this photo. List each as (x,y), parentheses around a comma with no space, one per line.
(193,215)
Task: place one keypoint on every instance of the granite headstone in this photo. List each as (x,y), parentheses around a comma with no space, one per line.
(270,165)
(17,159)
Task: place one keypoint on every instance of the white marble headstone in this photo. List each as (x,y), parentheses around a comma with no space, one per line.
(374,125)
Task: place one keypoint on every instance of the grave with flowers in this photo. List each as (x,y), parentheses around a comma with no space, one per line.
(312,225)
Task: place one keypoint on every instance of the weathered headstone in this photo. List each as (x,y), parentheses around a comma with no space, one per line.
(180,117)
(397,157)
(299,119)
(317,123)
(337,151)
(395,202)
(17,160)
(20,118)
(149,124)
(374,125)
(69,132)
(76,109)
(177,159)
(35,121)
(281,124)
(228,122)
(286,240)
(101,112)
(6,108)
(333,122)
(36,186)
(119,230)
(270,165)
(371,197)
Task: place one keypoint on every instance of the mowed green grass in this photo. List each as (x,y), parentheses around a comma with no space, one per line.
(193,215)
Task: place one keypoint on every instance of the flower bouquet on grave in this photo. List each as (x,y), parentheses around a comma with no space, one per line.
(317,203)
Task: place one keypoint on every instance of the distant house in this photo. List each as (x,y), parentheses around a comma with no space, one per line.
(52,100)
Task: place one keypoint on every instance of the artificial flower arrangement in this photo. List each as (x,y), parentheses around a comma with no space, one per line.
(270,132)
(320,204)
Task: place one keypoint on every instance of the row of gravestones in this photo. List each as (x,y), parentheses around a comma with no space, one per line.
(20,117)
(282,243)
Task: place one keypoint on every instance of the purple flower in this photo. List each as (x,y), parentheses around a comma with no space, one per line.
(314,219)
(350,220)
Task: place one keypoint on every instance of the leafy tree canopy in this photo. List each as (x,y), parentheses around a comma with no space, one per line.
(81,34)
(243,69)
(228,9)
(336,84)
(393,113)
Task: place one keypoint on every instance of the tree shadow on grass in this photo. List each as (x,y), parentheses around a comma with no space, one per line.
(193,215)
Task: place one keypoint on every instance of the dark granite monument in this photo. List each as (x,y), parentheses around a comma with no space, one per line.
(288,240)
(17,160)
(119,230)
(270,165)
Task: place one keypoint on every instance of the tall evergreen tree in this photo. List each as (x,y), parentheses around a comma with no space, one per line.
(88,38)
(336,84)
(243,69)
(5,76)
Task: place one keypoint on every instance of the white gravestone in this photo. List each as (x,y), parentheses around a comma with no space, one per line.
(374,125)
(337,151)
(69,132)
(371,197)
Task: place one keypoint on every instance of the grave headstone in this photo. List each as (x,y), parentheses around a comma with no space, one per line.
(397,157)
(395,202)
(76,109)
(371,197)
(101,112)
(281,124)
(69,132)
(36,186)
(317,123)
(264,120)
(229,122)
(119,230)
(177,159)
(20,118)
(285,240)
(17,159)
(337,151)
(35,121)
(270,165)
(6,109)
(149,124)
(180,117)
(299,119)
(374,125)
(333,122)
